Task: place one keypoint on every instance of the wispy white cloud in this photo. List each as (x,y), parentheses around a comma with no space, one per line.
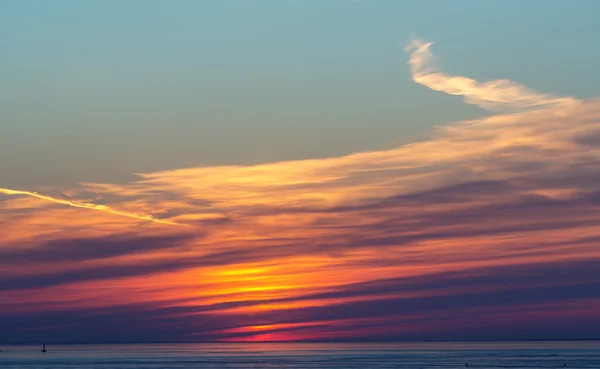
(493,95)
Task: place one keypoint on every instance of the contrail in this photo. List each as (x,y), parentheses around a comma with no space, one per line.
(493,95)
(86,205)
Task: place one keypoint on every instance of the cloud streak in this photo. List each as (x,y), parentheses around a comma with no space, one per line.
(86,205)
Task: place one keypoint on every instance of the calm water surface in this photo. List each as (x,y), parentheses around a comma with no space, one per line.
(553,354)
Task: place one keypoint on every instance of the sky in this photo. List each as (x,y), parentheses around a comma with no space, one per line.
(354,170)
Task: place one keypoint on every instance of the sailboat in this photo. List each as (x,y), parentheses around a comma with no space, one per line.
(44,347)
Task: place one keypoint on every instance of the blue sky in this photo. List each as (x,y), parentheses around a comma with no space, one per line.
(98,90)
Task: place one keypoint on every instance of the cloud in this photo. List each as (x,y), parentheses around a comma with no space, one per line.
(488,221)
(90,248)
(494,95)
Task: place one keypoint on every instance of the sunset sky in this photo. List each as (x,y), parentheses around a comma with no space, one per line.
(280,170)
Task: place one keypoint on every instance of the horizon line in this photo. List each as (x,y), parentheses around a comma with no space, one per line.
(333,341)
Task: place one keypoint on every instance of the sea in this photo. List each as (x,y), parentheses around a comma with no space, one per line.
(489,355)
